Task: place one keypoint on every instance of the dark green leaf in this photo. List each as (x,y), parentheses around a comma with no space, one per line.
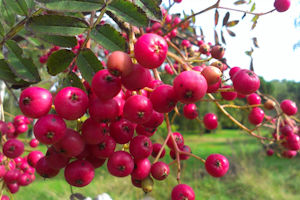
(7,14)
(71,5)
(231,33)
(5,72)
(232,23)
(30,3)
(226,18)
(59,61)
(253,7)
(255,42)
(129,12)
(2,32)
(240,2)
(216,38)
(151,8)
(222,37)
(109,38)
(56,25)
(18,6)
(22,67)
(62,41)
(216,17)
(88,64)
(73,80)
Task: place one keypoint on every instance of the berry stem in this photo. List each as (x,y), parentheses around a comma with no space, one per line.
(193,155)
(241,107)
(247,12)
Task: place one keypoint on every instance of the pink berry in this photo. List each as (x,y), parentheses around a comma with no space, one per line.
(150,50)
(288,107)
(210,121)
(93,132)
(256,116)
(140,147)
(182,191)
(216,165)
(270,152)
(156,149)
(163,98)
(282,5)
(120,164)
(253,99)
(178,139)
(190,111)
(13,148)
(160,170)
(229,96)
(141,169)
(34,143)
(245,81)
(34,157)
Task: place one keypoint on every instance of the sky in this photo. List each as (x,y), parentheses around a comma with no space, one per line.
(275,32)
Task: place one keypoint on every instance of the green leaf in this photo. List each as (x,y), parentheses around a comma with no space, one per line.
(129,12)
(253,7)
(62,41)
(7,14)
(56,25)
(59,61)
(71,5)
(232,23)
(30,3)
(73,80)
(222,37)
(5,72)
(2,31)
(88,64)
(22,67)
(194,17)
(18,6)
(216,37)
(231,33)
(109,38)
(151,8)
(226,18)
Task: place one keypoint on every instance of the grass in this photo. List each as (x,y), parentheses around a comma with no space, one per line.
(252,175)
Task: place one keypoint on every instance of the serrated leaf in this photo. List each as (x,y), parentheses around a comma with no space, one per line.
(59,61)
(232,23)
(240,2)
(222,37)
(73,80)
(18,6)
(62,41)
(255,42)
(129,12)
(7,14)
(253,7)
(5,72)
(231,33)
(71,5)
(88,64)
(151,8)
(22,67)
(216,17)
(226,18)
(56,25)
(109,38)
(216,38)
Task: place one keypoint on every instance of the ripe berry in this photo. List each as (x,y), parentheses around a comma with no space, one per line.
(156,149)
(286,130)
(12,176)
(212,74)
(105,85)
(155,120)
(186,43)
(256,116)
(216,165)
(233,71)
(35,102)
(141,169)
(163,98)
(137,79)
(282,5)
(137,109)
(120,164)
(33,157)
(150,50)
(289,153)
(79,173)
(93,132)
(288,107)
(292,142)
(103,111)
(178,139)
(49,129)
(122,131)
(270,152)
(229,96)
(146,131)
(44,170)
(119,63)
(253,99)
(214,87)
(189,86)
(204,48)
(55,159)
(245,81)
(190,111)
(183,192)
(210,121)
(105,148)
(13,148)
(140,147)
(160,170)
(71,103)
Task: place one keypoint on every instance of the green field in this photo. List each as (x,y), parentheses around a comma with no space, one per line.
(252,175)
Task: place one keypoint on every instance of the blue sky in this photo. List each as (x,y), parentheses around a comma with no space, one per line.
(275,32)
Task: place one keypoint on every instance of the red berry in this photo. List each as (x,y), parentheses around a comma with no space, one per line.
(13,148)
(288,107)
(140,147)
(282,5)
(210,121)
(79,173)
(156,149)
(270,152)
(146,131)
(189,86)
(122,131)
(233,71)
(71,103)
(253,99)
(93,132)
(160,170)
(245,81)
(183,192)
(120,164)
(35,102)
(119,63)
(256,116)
(56,160)
(229,96)
(178,139)
(44,170)
(163,98)
(150,50)
(141,169)
(216,165)
(190,111)
(105,148)
(33,157)
(217,52)
(103,111)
